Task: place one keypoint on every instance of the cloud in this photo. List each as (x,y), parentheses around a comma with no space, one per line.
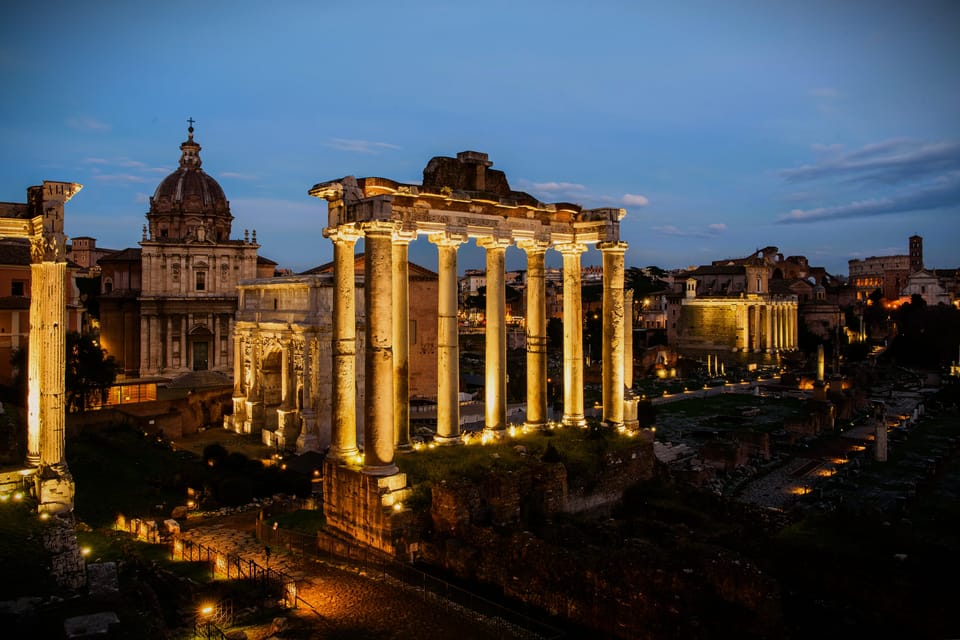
(635,200)
(359,146)
(119,177)
(142,198)
(711,230)
(942,193)
(554,187)
(238,176)
(95,161)
(85,123)
(889,162)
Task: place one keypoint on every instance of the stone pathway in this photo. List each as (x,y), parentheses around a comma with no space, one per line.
(342,600)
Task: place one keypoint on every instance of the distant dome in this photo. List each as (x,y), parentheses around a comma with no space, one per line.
(189,204)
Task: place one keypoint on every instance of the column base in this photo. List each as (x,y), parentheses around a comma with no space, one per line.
(55,489)
(535,425)
(382,471)
(447,440)
(348,456)
(575,420)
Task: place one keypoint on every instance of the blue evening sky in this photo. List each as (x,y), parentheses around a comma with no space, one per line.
(830,129)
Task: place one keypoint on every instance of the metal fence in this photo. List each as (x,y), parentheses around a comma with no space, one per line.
(507,622)
(233,566)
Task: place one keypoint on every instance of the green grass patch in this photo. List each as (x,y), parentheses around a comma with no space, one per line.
(107,545)
(581,451)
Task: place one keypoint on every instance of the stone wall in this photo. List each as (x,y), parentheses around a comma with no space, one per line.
(363,507)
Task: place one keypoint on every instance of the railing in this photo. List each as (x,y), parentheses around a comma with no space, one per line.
(233,566)
(508,623)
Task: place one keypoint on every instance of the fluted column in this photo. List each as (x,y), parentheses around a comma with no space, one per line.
(378,427)
(536,322)
(448,346)
(612,348)
(46,364)
(495,363)
(401,338)
(572,336)
(343,443)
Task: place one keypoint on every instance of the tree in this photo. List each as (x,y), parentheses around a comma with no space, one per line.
(89,371)
(644,281)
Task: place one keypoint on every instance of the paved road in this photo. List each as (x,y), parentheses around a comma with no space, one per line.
(344,601)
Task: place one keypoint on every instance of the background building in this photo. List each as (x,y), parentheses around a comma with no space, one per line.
(168,307)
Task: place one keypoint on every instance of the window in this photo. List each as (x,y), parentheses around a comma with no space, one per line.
(17,287)
(201,280)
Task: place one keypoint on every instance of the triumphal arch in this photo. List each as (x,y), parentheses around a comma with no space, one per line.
(460,199)
(40,220)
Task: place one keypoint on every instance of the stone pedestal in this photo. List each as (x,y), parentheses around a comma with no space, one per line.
(237,420)
(253,417)
(309,438)
(365,507)
(54,489)
(820,391)
(630,402)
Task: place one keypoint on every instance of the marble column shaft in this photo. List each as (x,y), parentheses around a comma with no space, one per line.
(572,336)
(448,346)
(612,348)
(536,335)
(344,429)
(401,340)
(46,364)
(378,426)
(628,339)
(495,362)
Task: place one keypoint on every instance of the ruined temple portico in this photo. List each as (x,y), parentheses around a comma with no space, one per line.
(460,199)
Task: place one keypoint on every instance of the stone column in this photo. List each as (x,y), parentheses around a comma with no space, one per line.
(184,345)
(46,364)
(793,326)
(308,440)
(628,339)
(378,428)
(253,415)
(401,338)
(448,345)
(745,320)
(536,322)
(146,367)
(612,348)
(343,443)
(239,392)
(215,347)
(769,309)
(495,363)
(572,336)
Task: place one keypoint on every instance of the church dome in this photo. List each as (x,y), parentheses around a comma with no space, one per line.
(189,204)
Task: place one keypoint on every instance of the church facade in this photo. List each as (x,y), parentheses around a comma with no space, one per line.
(169,308)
